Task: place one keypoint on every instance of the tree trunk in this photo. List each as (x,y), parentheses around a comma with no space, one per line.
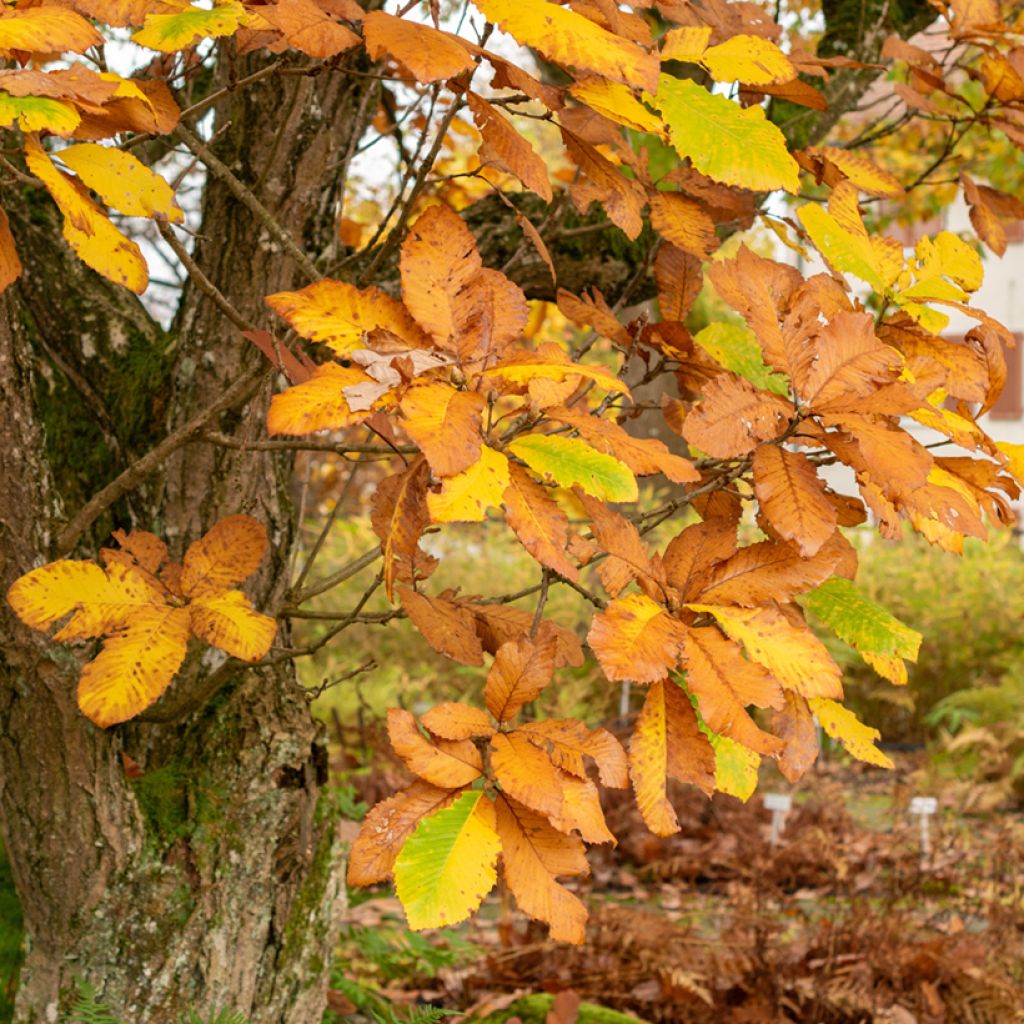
(214,880)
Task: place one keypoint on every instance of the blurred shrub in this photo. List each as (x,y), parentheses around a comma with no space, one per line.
(970,610)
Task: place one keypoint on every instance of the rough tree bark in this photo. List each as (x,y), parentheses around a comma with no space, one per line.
(212,881)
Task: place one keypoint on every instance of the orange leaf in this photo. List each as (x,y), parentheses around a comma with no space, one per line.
(724,683)
(10,265)
(684,223)
(792,496)
(521,670)
(448,627)
(449,766)
(231,550)
(318,403)
(541,526)
(526,773)
(618,537)
(793,723)
(581,811)
(568,742)
(503,147)
(533,855)
(499,623)
(623,199)
(341,315)
(226,619)
(445,423)
(492,313)
(439,258)
(734,416)
(429,54)
(635,639)
(667,743)
(399,516)
(691,554)
(308,28)
(388,825)
(680,277)
(454,721)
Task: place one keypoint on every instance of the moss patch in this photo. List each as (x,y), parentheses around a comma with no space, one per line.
(534,1010)
(10,939)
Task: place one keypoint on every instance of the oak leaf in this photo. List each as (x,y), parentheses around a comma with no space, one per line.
(448,627)
(793,723)
(569,461)
(568,742)
(445,423)
(454,721)
(399,515)
(466,496)
(318,403)
(525,772)
(734,416)
(503,147)
(541,526)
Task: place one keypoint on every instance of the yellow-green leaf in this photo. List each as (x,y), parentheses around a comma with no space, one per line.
(37,114)
(844,251)
(122,181)
(724,141)
(734,347)
(749,59)
(735,767)
(858,739)
(568,461)
(170,32)
(448,864)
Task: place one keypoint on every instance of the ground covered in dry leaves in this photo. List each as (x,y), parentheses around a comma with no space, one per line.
(841,923)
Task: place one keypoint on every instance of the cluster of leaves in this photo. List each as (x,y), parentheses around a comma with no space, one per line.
(146,608)
(534,434)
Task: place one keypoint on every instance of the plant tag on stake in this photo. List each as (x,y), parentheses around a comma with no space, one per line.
(779,804)
(924,807)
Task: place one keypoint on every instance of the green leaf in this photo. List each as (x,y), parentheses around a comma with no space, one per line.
(724,141)
(845,251)
(37,113)
(734,347)
(447,866)
(864,625)
(568,461)
(171,32)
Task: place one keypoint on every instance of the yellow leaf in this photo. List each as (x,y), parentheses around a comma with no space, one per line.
(431,55)
(88,231)
(686,44)
(465,497)
(341,315)
(862,172)
(226,619)
(617,102)
(667,743)
(231,550)
(947,255)
(635,639)
(752,60)
(724,141)
(186,27)
(843,725)
(122,181)
(520,366)
(101,599)
(135,666)
(448,864)
(48,29)
(568,38)
(793,654)
(735,767)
